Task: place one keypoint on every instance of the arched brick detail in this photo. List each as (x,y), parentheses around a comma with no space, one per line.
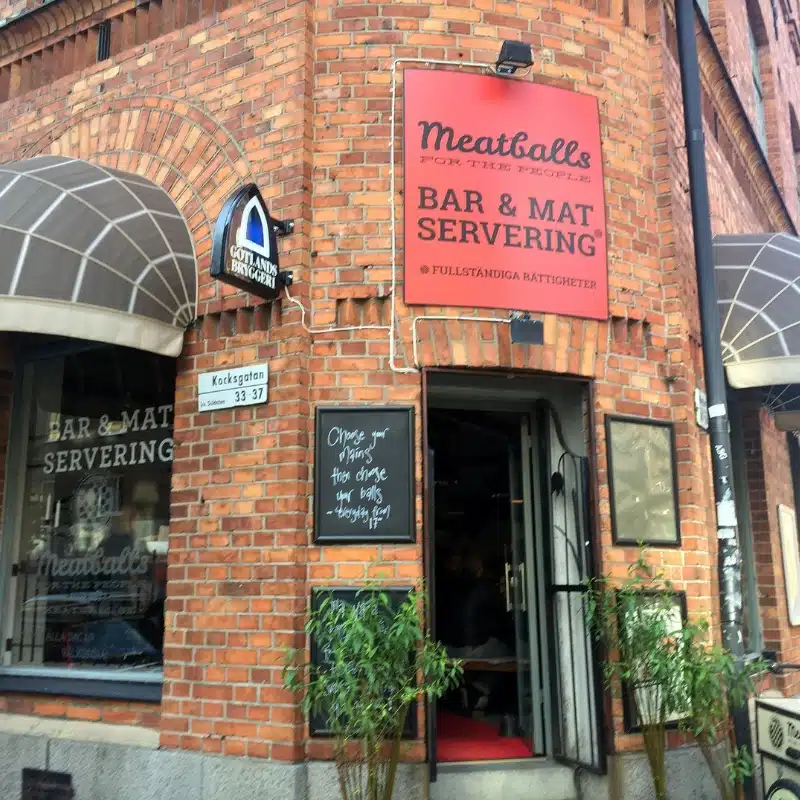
(174,144)
(46,21)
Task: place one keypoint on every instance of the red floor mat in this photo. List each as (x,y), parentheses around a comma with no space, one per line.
(465,739)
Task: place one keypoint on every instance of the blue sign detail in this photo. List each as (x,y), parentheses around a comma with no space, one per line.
(255,230)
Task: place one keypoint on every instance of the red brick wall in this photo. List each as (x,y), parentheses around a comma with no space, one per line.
(297,98)
(738,204)
(770,484)
(637,370)
(236,587)
(684,357)
(146,715)
(729,22)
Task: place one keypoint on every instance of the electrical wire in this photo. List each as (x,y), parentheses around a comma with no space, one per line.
(333,329)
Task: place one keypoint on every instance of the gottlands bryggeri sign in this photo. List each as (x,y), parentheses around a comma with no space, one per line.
(245,247)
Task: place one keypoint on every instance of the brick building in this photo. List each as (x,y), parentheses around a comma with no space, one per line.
(156,559)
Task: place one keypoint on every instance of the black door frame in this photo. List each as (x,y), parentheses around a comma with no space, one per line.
(603,696)
(429,569)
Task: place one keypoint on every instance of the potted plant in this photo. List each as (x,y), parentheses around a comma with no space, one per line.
(672,672)
(636,624)
(374,661)
(716,685)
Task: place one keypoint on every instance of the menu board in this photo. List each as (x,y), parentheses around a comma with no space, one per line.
(364,474)
(317,724)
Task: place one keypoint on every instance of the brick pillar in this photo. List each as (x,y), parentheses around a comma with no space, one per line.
(237,594)
(769,483)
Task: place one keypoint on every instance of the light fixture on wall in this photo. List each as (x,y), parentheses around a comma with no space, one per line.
(513,56)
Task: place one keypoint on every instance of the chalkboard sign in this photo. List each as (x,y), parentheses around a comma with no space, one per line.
(317,724)
(364,474)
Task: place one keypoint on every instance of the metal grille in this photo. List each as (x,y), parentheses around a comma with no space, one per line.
(104,40)
(576,687)
(40,784)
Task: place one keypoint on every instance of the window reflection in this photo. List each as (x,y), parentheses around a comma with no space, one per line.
(91,564)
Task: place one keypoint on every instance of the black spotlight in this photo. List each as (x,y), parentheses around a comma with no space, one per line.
(513,56)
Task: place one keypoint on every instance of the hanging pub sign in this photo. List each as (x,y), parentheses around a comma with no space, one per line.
(504,200)
(245,247)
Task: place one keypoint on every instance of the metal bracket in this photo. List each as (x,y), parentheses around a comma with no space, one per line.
(283,227)
(525,329)
(14,570)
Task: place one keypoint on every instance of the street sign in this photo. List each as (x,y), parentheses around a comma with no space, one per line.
(231,388)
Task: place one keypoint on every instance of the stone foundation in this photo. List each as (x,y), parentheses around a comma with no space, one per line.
(125,763)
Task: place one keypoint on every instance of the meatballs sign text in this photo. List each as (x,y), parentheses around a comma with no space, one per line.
(504,200)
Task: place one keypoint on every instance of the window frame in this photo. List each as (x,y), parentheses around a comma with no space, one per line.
(100,684)
(758,84)
(794,128)
(669,426)
(754,627)
(793,444)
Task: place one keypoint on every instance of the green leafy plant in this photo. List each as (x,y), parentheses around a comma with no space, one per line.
(717,685)
(635,622)
(377,661)
(672,671)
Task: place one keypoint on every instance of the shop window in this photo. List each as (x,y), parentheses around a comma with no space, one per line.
(104,40)
(90,513)
(755,29)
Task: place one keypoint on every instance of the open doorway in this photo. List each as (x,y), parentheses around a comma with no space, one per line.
(509,549)
(485,719)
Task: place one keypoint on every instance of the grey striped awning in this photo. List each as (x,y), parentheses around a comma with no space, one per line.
(93,253)
(784,403)
(758,287)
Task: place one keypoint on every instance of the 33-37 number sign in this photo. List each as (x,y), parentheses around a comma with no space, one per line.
(246,396)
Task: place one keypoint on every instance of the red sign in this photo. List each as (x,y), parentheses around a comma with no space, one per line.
(504,204)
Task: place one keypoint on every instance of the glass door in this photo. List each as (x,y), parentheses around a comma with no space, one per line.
(519,572)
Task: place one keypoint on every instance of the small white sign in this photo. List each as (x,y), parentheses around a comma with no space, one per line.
(701,408)
(726,514)
(230,388)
